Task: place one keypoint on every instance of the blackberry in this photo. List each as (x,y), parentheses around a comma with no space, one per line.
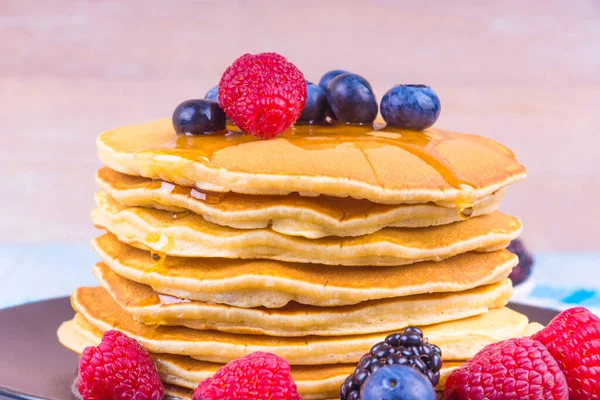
(521,272)
(405,348)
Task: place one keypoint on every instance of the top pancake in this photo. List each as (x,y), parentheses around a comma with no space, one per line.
(381,164)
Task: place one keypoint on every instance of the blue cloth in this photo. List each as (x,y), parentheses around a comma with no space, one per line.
(564,280)
(32,272)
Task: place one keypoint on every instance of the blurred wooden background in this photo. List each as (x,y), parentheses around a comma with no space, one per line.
(524,72)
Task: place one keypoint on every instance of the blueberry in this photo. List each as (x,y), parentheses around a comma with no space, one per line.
(316,104)
(351,99)
(410,106)
(521,272)
(324,82)
(397,382)
(213,94)
(197,117)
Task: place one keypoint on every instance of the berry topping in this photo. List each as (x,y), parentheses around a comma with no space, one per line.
(118,369)
(198,117)
(564,324)
(316,104)
(397,382)
(212,94)
(263,94)
(351,98)
(513,369)
(406,348)
(410,106)
(521,272)
(573,339)
(257,376)
(324,82)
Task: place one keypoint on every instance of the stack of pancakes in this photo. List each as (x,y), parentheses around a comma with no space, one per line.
(313,246)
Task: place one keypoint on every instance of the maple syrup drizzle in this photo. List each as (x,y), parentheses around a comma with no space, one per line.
(158,258)
(180,214)
(421,144)
(198,194)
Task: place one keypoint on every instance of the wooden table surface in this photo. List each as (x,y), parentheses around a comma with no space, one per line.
(524,73)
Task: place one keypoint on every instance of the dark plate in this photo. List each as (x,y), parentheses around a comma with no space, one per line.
(33,365)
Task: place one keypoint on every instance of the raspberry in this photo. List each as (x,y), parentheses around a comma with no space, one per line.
(257,376)
(573,339)
(565,324)
(263,94)
(516,369)
(118,369)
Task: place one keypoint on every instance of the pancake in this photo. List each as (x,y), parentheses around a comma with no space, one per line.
(193,236)
(382,164)
(295,319)
(273,284)
(460,340)
(292,215)
(313,381)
